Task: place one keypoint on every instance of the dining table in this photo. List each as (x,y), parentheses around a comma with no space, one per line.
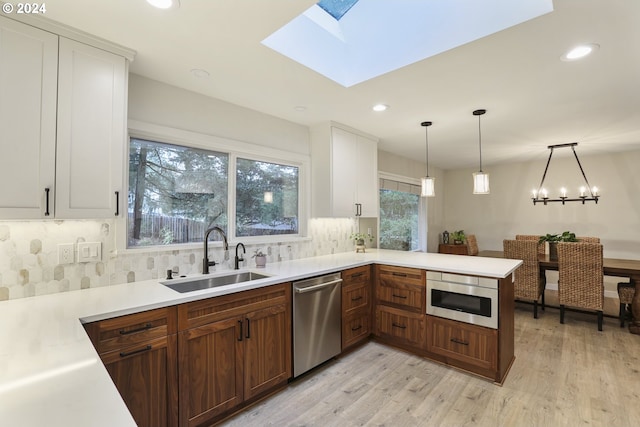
(616,267)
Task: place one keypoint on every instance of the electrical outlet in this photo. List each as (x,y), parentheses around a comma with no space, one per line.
(65,253)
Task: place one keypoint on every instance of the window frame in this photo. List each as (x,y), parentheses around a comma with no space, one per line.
(234,149)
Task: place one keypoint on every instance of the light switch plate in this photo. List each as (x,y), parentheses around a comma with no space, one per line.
(65,253)
(89,251)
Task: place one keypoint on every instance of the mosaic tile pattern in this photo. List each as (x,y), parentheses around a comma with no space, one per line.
(29,255)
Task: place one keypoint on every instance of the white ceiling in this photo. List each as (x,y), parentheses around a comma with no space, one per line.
(532,98)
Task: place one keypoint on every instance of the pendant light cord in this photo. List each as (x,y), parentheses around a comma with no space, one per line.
(426,131)
(480,142)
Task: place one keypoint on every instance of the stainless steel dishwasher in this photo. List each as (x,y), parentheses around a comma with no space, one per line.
(316,321)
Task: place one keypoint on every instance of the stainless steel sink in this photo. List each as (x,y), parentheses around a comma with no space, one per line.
(190,285)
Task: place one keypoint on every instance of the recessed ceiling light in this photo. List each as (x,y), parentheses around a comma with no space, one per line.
(199,73)
(580,51)
(164,4)
(380,107)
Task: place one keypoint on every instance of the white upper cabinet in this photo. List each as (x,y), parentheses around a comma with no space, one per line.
(344,173)
(62,126)
(91,131)
(28,79)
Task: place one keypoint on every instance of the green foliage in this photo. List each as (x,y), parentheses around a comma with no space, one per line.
(566,236)
(399,220)
(458,235)
(364,236)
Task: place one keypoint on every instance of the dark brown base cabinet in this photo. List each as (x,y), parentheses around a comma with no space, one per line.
(400,309)
(192,364)
(356,306)
(139,352)
(232,349)
(401,321)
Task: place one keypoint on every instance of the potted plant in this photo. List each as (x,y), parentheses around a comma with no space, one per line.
(359,239)
(553,239)
(458,237)
(261,258)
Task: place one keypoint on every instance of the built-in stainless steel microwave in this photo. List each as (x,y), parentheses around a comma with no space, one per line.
(468,299)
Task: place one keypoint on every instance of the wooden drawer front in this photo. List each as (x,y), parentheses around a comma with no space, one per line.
(198,313)
(468,343)
(355,328)
(126,331)
(356,275)
(355,297)
(400,326)
(402,287)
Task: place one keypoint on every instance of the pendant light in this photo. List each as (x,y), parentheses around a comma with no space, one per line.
(480,179)
(428,183)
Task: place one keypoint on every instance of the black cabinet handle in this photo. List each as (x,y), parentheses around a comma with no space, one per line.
(248,329)
(399,296)
(354,275)
(117,203)
(240,336)
(356,298)
(399,274)
(142,350)
(457,341)
(46,211)
(133,331)
(395,325)
(356,328)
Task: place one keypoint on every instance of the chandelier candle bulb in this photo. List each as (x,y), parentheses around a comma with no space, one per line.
(563,191)
(582,191)
(595,191)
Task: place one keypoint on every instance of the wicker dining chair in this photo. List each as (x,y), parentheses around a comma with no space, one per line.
(588,239)
(626,291)
(580,278)
(527,282)
(532,237)
(472,244)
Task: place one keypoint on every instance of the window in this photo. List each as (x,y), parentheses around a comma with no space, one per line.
(266,198)
(175,193)
(402,216)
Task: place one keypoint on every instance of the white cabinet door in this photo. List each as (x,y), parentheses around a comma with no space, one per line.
(91,131)
(28,75)
(344,164)
(367,177)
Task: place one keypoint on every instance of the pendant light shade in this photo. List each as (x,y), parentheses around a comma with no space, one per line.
(480,178)
(428,182)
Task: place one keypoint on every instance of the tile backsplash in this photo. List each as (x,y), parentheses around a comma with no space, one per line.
(29,255)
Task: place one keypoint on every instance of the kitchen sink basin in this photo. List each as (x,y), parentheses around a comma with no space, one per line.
(190,285)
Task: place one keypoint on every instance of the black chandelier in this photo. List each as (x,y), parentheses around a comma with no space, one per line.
(542,196)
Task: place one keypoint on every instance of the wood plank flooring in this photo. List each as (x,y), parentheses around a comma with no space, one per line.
(563,375)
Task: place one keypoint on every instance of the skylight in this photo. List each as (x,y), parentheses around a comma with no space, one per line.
(336,8)
(380,36)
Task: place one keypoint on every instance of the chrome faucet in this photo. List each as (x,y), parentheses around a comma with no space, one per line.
(238,259)
(205,262)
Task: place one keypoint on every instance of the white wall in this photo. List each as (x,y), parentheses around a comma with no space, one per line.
(508,210)
(154,102)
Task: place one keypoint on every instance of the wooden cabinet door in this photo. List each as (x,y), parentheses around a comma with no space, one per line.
(28,76)
(267,341)
(210,370)
(144,375)
(91,132)
(475,345)
(401,327)
(402,287)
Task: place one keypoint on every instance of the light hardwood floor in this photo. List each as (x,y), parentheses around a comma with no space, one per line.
(563,375)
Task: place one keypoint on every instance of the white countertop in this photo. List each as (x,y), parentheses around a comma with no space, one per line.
(50,373)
